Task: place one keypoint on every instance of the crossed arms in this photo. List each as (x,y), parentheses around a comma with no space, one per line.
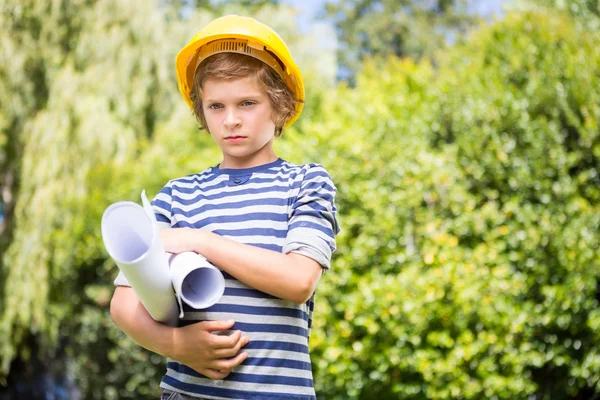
(291,276)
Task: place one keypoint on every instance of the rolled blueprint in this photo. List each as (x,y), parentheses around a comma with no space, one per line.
(196,281)
(131,237)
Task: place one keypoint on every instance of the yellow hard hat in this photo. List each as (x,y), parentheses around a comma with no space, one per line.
(236,34)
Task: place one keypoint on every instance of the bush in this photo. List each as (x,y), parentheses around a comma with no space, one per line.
(468,195)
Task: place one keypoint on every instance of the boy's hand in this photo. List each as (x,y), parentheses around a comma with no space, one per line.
(208,353)
(179,240)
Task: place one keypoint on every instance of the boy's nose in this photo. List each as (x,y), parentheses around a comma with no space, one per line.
(232,120)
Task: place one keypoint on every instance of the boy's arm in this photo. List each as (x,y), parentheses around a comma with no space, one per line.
(193,345)
(289,276)
(293,273)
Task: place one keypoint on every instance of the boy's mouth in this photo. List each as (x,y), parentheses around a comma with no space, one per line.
(235,138)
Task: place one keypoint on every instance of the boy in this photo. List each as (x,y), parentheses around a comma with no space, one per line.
(267,224)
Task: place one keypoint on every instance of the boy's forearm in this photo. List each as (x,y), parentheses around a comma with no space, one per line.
(287,276)
(133,319)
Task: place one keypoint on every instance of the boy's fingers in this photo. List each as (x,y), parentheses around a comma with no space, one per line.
(229,364)
(214,374)
(212,326)
(226,342)
(230,352)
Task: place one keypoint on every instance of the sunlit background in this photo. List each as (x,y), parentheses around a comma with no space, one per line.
(463,137)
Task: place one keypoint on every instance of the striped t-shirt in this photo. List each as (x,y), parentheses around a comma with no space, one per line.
(277,206)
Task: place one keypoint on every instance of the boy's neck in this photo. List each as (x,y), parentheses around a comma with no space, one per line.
(245,164)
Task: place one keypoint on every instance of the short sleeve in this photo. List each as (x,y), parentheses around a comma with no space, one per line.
(312,222)
(161,205)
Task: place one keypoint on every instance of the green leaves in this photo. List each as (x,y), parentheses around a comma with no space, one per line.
(415,29)
(84,85)
(467,264)
(468,199)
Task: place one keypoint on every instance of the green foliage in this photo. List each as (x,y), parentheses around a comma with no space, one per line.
(89,109)
(531,93)
(586,11)
(82,118)
(469,258)
(406,28)
(468,261)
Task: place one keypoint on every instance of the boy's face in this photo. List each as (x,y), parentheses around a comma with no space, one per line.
(239,118)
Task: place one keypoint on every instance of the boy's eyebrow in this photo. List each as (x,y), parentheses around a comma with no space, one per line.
(246,96)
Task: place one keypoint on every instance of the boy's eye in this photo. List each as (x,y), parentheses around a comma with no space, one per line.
(248,103)
(215,106)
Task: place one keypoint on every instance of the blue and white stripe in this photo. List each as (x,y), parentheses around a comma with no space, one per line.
(277,206)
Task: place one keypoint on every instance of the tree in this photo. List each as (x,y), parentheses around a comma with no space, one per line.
(405,28)
(468,198)
(90,114)
(82,83)
(588,11)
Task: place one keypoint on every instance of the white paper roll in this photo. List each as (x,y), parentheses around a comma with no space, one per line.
(131,238)
(196,281)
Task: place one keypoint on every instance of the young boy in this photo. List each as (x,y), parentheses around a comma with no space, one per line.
(267,224)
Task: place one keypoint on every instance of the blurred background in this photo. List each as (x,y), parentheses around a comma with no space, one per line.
(463,137)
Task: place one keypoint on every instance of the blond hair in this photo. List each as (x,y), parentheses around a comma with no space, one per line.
(232,66)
